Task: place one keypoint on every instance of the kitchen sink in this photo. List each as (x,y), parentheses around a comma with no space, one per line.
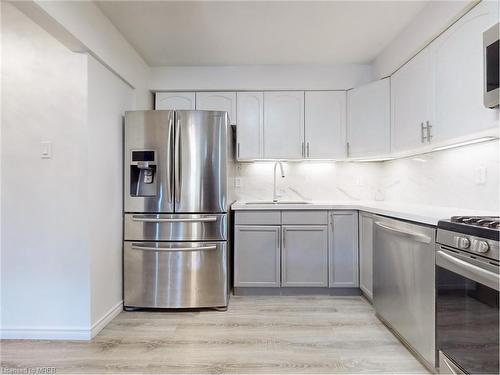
(278,202)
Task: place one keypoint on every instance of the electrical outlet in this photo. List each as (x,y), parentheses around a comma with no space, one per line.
(480,175)
(237,182)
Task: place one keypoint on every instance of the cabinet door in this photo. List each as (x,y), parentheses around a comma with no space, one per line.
(412,102)
(284,125)
(366,253)
(344,249)
(325,124)
(304,258)
(458,64)
(256,256)
(175,100)
(369,119)
(250,129)
(218,101)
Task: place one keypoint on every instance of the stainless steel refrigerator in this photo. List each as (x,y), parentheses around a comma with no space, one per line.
(176,201)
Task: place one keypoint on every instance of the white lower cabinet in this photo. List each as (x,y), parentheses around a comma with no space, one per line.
(366,253)
(304,256)
(296,248)
(343,249)
(257,256)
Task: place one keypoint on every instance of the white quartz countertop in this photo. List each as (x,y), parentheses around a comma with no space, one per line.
(418,213)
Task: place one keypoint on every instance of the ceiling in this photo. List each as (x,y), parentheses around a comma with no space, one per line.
(187,33)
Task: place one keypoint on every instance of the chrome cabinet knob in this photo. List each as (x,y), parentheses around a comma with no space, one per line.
(480,246)
(463,242)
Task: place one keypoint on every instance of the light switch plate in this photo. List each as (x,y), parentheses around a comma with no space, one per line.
(46,150)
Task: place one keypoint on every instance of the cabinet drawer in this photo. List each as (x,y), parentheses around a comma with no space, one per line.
(302,217)
(257,217)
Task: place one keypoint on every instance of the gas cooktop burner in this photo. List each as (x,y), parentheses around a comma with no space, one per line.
(480,221)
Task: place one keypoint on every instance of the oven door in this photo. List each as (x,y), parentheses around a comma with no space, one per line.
(467,311)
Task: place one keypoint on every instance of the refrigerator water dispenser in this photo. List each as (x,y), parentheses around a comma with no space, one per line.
(143,181)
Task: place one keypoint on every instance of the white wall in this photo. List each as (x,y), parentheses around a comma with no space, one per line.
(45,283)
(434,18)
(61,217)
(108,99)
(82,27)
(260,77)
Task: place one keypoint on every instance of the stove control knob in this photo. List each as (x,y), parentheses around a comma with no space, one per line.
(463,243)
(480,246)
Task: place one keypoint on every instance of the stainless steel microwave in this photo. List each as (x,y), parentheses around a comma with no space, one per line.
(491,91)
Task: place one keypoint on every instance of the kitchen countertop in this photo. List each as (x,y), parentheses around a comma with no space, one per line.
(425,214)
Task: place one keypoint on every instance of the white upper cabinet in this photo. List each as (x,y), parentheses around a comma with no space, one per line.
(458,65)
(218,101)
(412,103)
(250,128)
(325,124)
(369,119)
(284,125)
(175,100)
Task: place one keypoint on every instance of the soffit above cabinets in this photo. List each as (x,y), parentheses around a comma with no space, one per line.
(170,33)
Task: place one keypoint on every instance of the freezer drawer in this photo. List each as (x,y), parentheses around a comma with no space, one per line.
(175,227)
(175,274)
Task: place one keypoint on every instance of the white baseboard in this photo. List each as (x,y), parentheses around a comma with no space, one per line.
(45,333)
(60,333)
(106,318)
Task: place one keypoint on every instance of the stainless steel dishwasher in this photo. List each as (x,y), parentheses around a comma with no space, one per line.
(403,283)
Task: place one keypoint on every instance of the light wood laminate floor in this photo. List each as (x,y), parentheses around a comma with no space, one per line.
(313,334)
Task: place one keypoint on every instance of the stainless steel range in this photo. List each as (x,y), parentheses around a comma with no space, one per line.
(467,294)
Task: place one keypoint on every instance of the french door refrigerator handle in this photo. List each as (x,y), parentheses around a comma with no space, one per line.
(173,249)
(175,220)
(177,162)
(170,191)
(467,270)
(418,237)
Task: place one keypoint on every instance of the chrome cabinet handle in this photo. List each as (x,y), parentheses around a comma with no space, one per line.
(303,153)
(468,270)
(238,150)
(348,149)
(331,221)
(283,234)
(174,220)
(422,133)
(418,237)
(173,249)
(308,155)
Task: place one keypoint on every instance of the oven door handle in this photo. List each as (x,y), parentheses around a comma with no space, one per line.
(468,270)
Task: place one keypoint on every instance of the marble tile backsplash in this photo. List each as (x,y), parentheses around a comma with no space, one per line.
(443,178)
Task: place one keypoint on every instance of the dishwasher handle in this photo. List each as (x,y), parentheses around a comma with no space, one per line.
(414,236)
